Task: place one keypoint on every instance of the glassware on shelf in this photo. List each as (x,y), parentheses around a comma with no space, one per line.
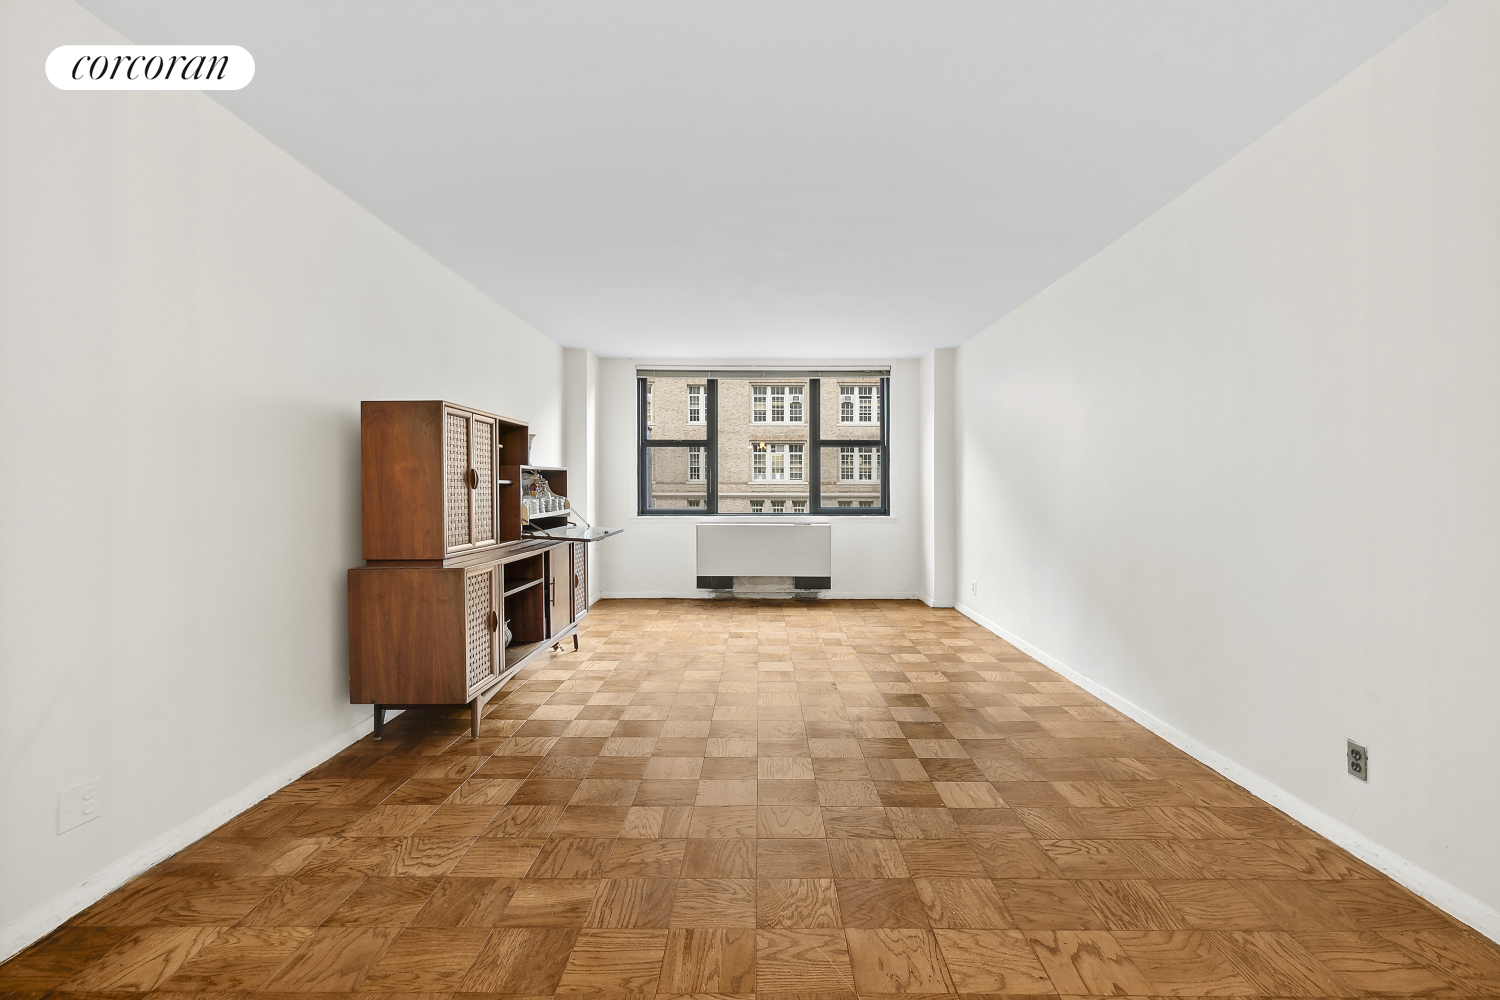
(537,498)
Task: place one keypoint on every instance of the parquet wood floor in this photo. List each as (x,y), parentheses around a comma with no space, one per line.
(719,800)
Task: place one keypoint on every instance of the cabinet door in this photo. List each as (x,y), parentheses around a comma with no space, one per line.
(457,470)
(482,461)
(580,579)
(559,600)
(482,592)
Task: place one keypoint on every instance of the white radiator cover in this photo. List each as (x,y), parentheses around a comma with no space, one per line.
(765,549)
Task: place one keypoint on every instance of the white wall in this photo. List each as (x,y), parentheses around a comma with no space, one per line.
(873,557)
(1242,469)
(936,416)
(188,321)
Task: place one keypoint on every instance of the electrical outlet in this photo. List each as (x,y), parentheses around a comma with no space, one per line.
(77,805)
(974,588)
(1358,761)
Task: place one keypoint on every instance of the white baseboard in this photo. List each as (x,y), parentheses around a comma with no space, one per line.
(1444,895)
(693,595)
(40,922)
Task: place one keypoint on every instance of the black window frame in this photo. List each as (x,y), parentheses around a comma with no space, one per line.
(812,463)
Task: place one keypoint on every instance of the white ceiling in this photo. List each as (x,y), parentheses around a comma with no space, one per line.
(770,178)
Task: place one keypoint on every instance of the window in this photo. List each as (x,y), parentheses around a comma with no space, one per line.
(857,464)
(763,442)
(858,404)
(775,462)
(776,404)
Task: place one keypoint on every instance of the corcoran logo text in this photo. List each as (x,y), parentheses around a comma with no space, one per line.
(149,67)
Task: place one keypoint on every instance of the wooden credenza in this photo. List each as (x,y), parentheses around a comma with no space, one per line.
(447,564)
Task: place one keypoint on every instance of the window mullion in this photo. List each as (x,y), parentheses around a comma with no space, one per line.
(711,453)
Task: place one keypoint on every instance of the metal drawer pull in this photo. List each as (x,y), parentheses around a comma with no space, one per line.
(472,479)
(494,621)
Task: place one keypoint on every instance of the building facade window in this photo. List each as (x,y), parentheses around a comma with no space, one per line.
(776,404)
(858,404)
(803,442)
(858,464)
(771,462)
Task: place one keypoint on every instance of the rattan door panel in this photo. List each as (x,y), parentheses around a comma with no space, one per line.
(580,580)
(456,466)
(482,589)
(469,506)
(482,460)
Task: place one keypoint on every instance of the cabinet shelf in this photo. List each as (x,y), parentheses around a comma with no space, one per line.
(523,586)
(517,652)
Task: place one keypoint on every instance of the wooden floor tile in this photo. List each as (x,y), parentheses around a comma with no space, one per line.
(632,903)
(623,961)
(701,961)
(332,960)
(1087,962)
(897,960)
(992,961)
(521,961)
(802,961)
(141,961)
(426,960)
(802,902)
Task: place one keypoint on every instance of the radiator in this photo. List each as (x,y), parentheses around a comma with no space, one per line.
(795,550)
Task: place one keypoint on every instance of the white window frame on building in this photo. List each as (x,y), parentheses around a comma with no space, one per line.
(859,404)
(777,404)
(778,462)
(696,403)
(695,464)
(859,463)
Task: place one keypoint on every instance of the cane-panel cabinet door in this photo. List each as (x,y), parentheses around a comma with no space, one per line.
(468,480)
(559,599)
(482,655)
(580,580)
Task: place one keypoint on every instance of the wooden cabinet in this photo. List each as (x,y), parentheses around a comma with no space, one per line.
(428,484)
(448,562)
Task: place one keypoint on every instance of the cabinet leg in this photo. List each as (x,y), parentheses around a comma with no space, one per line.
(379,720)
(476,708)
(575,642)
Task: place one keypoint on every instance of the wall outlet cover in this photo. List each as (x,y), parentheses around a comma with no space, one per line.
(79,804)
(1357,758)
